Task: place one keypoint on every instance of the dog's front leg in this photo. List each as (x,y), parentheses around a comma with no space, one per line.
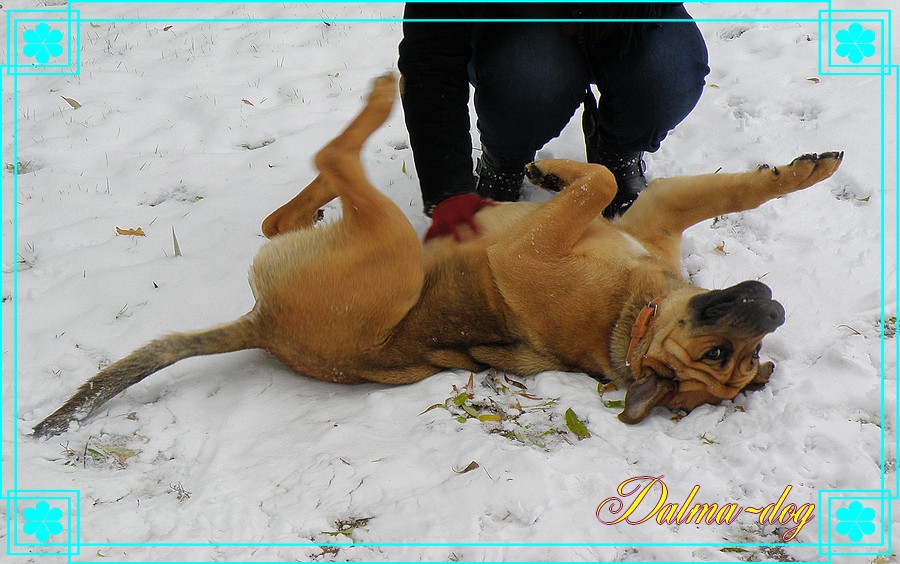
(549,287)
(558,224)
(671,205)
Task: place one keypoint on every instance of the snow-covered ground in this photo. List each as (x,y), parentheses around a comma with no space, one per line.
(204,127)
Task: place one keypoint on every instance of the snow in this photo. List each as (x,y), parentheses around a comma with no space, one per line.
(242,459)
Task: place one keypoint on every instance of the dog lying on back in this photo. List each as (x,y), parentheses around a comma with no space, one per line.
(550,286)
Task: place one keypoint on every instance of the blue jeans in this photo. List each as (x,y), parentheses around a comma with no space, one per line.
(530,78)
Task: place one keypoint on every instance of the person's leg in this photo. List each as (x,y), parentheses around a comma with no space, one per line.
(651,89)
(529,79)
(644,94)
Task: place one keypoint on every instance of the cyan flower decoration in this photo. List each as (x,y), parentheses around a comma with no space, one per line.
(855,521)
(855,43)
(42,521)
(42,43)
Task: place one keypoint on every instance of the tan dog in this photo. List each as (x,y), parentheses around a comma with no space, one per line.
(550,286)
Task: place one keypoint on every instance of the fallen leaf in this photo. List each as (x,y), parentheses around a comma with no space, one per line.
(435,406)
(614,404)
(120,454)
(813,79)
(489,417)
(75,105)
(713,85)
(529,396)
(248,102)
(175,243)
(470,410)
(136,232)
(519,385)
(603,388)
(167,28)
(472,466)
(460,399)
(576,426)
(721,248)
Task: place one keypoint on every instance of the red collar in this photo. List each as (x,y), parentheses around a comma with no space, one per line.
(642,325)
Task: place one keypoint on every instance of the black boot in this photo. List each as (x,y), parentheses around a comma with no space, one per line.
(628,168)
(498,182)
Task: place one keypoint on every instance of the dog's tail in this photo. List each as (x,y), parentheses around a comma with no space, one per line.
(243,333)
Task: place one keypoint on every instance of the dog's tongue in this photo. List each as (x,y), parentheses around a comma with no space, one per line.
(642,396)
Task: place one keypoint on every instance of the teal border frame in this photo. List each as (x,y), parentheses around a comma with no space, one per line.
(828,20)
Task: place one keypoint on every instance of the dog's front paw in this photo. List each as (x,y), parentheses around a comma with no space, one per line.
(765,371)
(548,181)
(805,170)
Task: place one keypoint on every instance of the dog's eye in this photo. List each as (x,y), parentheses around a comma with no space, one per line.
(756,352)
(716,353)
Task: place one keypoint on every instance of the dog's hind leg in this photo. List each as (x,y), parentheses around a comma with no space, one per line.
(340,167)
(337,293)
(671,205)
(300,212)
(383,241)
(366,211)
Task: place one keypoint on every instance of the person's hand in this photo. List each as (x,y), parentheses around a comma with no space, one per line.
(454,212)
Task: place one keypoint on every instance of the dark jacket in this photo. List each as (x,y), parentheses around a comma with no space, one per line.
(434,58)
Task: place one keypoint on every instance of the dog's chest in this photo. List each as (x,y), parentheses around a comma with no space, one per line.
(632,246)
(604,245)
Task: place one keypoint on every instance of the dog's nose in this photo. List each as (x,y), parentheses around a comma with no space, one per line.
(770,316)
(748,306)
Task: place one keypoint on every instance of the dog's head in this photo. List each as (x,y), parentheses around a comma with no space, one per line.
(704,348)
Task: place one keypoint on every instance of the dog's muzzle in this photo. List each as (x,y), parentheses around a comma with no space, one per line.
(747,306)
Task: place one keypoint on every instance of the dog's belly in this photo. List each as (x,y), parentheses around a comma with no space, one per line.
(459,308)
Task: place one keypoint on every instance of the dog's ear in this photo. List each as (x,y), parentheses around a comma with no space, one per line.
(644,395)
